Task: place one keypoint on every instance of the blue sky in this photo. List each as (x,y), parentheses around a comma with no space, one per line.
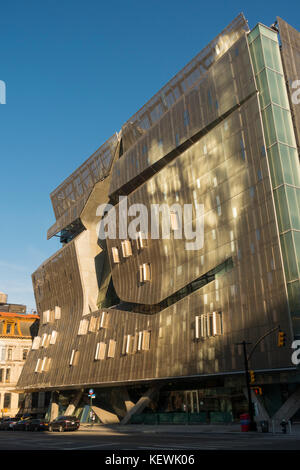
(74,72)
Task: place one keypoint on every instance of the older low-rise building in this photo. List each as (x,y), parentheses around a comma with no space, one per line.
(16,332)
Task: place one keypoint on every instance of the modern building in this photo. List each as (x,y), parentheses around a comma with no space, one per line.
(181,239)
(16,332)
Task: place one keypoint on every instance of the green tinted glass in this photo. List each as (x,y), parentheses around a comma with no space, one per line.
(288,252)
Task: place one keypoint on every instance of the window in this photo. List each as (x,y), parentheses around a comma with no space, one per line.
(111,348)
(83,327)
(53,337)
(104,320)
(38,365)
(126,248)
(3,354)
(174,219)
(141,240)
(45,341)
(115,255)
(208,324)
(25,354)
(100,351)
(9,328)
(144,272)
(46,316)
(1,375)
(93,324)
(36,342)
(74,358)
(146,340)
(9,354)
(7,400)
(126,344)
(7,377)
(57,313)
(45,364)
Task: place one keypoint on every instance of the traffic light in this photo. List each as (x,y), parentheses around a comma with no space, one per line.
(281,339)
(252,376)
(257,390)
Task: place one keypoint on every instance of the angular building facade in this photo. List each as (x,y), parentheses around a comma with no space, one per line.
(181,239)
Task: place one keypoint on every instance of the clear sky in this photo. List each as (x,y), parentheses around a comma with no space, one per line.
(75,71)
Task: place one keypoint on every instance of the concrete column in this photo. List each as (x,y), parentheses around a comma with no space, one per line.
(120,401)
(289,408)
(54,405)
(141,404)
(74,403)
(261,413)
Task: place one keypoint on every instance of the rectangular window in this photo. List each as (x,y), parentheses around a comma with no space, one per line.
(9,328)
(100,351)
(7,400)
(174,220)
(83,327)
(74,358)
(57,313)
(46,316)
(1,375)
(36,342)
(141,240)
(53,337)
(210,325)
(146,340)
(38,366)
(126,248)
(111,348)
(144,272)
(3,354)
(45,340)
(217,323)
(93,324)
(197,331)
(9,354)
(45,364)
(25,354)
(104,322)
(126,344)
(115,254)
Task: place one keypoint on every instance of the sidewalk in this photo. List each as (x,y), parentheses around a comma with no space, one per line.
(177,429)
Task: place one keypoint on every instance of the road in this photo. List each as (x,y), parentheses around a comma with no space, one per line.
(110,440)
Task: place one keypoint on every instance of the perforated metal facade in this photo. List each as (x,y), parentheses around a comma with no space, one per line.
(203,139)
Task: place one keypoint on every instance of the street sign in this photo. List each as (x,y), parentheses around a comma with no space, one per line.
(91,391)
(93,396)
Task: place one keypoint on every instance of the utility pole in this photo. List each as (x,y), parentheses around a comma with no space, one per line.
(281,339)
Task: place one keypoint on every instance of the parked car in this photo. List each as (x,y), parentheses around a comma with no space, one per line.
(4,422)
(20,425)
(37,425)
(7,424)
(64,423)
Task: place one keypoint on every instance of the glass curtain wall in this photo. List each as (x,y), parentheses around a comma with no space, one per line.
(281,153)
